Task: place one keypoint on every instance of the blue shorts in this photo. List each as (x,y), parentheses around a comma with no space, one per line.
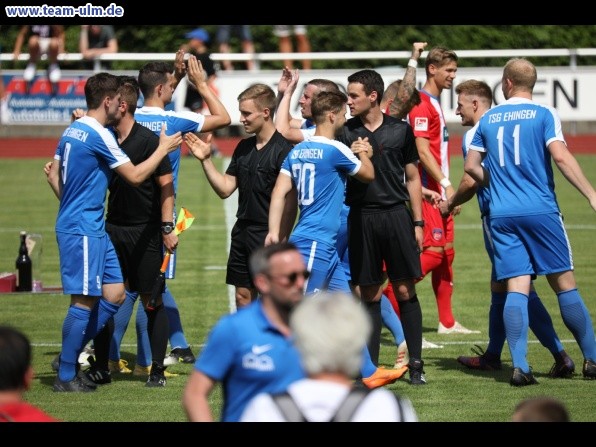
(322,261)
(342,242)
(86,263)
(529,245)
(488,245)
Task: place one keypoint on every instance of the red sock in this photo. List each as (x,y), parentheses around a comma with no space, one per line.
(389,293)
(442,280)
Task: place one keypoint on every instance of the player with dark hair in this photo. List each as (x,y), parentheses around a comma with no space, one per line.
(79,177)
(383,228)
(157,82)
(133,221)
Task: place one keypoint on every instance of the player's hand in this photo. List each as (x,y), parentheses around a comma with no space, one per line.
(417,49)
(170,241)
(432,197)
(362,145)
(179,65)
(47,167)
(200,148)
(76,114)
(271,239)
(170,142)
(195,71)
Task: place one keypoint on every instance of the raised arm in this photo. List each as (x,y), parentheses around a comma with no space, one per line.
(399,105)
(219,116)
(283,119)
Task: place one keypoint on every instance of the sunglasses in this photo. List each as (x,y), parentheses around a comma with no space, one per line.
(291,278)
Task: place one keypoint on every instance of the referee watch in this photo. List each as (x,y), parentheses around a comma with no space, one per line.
(167,227)
(419,223)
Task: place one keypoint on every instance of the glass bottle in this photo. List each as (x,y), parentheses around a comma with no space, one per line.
(24,266)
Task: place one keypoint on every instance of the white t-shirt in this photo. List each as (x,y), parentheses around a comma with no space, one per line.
(319,400)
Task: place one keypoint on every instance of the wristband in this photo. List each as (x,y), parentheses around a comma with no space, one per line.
(445,183)
(413,63)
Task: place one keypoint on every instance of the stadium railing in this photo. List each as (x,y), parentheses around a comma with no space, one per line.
(571,53)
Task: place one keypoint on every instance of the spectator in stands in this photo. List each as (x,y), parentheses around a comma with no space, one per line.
(43,39)
(224,33)
(197,45)
(284,34)
(16,377)
(95,40)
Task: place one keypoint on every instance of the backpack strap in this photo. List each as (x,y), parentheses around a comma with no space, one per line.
(288,407)
(348,407)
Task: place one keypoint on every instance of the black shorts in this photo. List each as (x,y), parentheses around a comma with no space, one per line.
(377,235)
(140,252)
(246,237)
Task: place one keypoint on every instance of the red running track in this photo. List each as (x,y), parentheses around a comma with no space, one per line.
(45,147)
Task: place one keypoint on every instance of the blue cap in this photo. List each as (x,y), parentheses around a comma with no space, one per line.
(198,33)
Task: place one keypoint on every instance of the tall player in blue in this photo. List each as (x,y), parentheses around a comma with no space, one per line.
(474,98)
(517,141)
(318,167)
(79,176)
(157,82)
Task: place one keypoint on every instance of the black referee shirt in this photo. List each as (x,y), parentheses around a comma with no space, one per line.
(129,205)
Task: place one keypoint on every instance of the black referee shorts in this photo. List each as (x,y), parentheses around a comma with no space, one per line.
(246,237)
(377,235)
(140,252)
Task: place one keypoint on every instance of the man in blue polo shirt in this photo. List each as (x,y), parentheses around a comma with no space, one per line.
(251,351)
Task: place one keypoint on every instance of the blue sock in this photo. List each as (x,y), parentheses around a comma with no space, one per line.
(542,324)
(121,320)
(368,368)
(496,326)
(100,314)
(73,336)
(515,315)
(391,320)
(577,319)
(177,338)
(143,343)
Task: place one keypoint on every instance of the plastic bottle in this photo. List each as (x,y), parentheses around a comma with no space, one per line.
(24,267)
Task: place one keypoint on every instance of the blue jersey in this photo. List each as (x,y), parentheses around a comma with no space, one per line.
(308,129)
(249,356)
(87,153)
(482,194)
(319,168)
(185,121)
(515,136)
